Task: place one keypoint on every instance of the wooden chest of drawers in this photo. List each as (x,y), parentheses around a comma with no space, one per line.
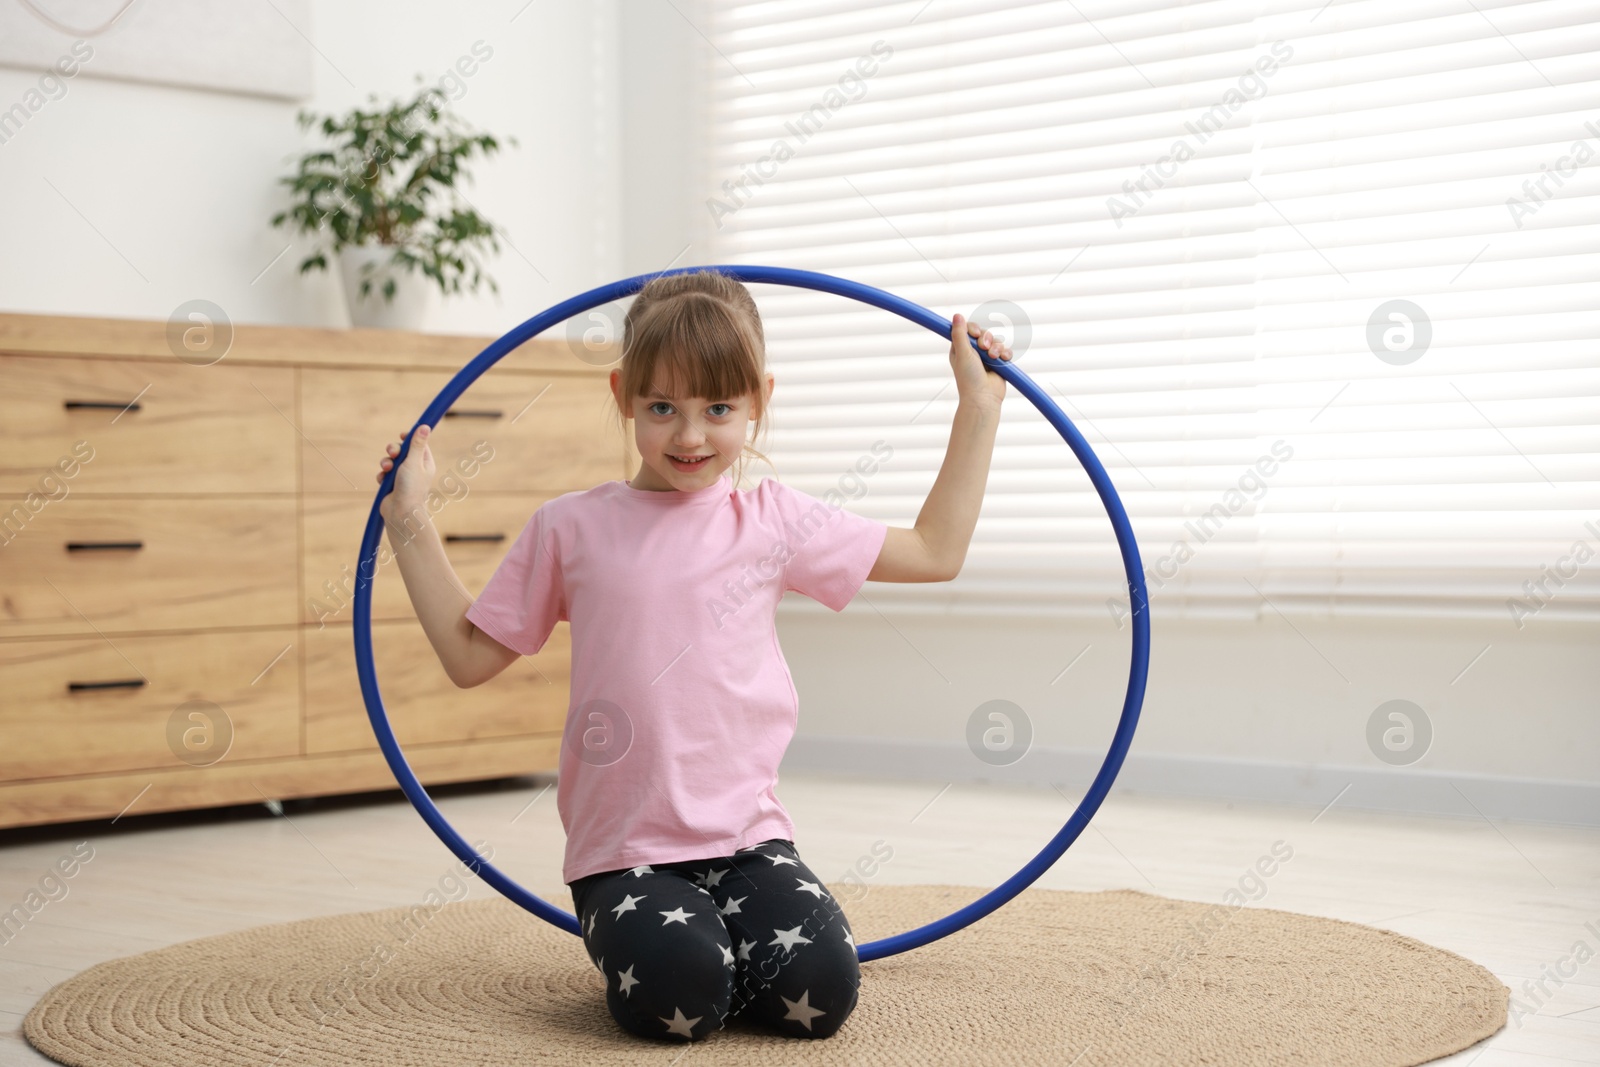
(178,545)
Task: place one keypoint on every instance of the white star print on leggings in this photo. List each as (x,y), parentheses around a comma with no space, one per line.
(686,946)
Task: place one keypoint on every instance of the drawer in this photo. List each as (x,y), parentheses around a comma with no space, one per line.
(477,530)
(83,564)
(90,706)
(423,705)
(566,439)
(216,429)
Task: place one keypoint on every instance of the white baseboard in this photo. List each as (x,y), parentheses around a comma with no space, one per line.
(1406,790)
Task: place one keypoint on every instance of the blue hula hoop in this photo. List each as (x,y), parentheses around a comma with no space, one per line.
(1138,667)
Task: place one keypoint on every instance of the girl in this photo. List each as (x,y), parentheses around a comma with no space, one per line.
(694,903)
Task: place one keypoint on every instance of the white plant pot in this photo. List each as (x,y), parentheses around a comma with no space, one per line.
(405,311)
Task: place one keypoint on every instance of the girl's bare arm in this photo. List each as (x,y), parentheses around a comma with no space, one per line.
(936,548)
(470,657)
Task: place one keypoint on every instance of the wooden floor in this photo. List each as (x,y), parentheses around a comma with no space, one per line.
(1512,896)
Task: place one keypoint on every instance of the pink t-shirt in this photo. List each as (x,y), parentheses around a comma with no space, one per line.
(681,704)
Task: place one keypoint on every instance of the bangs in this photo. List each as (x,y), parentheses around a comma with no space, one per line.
(693,346)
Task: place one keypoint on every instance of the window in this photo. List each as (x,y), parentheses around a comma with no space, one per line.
(1317,281)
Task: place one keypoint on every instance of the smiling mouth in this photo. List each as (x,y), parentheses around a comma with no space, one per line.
(687,461)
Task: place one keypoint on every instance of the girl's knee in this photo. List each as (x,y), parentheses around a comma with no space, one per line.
(675,999)
(810,997)
(817,1012)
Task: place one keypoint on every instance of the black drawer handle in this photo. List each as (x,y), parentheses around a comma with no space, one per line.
(131,683)
(468,414)
(475,537)
(70,404)
(96,546)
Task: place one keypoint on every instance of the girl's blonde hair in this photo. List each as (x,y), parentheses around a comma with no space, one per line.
(702,329)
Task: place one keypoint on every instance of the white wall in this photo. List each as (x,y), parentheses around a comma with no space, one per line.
(662,57)
(126,199)
(1250,710)
(608,182)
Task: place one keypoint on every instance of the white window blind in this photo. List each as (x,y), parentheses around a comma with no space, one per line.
(1199,209)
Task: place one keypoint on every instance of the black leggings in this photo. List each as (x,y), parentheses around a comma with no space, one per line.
(685,946)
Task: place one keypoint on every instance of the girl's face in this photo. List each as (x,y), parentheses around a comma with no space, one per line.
(667,429)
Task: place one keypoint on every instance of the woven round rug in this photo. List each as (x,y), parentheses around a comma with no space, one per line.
(1051,978)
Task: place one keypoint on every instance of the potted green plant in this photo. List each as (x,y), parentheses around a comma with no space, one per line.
(369,192)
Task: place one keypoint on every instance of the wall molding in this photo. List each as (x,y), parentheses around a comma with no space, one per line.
(1400,790)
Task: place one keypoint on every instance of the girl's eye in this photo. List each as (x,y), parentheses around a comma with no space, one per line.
(715,414)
